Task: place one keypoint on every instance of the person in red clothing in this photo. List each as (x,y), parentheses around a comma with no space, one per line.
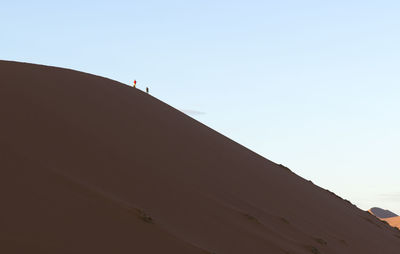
(134,83)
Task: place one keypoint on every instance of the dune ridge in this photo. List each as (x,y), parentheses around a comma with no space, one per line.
(90,165)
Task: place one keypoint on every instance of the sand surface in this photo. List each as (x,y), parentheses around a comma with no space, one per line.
(90,165)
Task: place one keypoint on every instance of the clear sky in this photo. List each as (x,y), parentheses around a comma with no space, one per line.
(314,85)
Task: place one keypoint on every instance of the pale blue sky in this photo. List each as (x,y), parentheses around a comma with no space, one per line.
(314,85)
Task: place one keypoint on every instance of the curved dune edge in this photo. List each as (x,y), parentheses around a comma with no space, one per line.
(90,165)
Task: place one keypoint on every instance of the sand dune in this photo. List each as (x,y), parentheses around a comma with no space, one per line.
(393,221)
(90,165)
(386,215)
(381,213)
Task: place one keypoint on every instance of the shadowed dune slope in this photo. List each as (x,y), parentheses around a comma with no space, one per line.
(90,165)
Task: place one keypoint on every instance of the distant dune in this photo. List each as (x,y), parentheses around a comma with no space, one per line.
(381,213)
(393,221)
(386,215)
(90,165)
